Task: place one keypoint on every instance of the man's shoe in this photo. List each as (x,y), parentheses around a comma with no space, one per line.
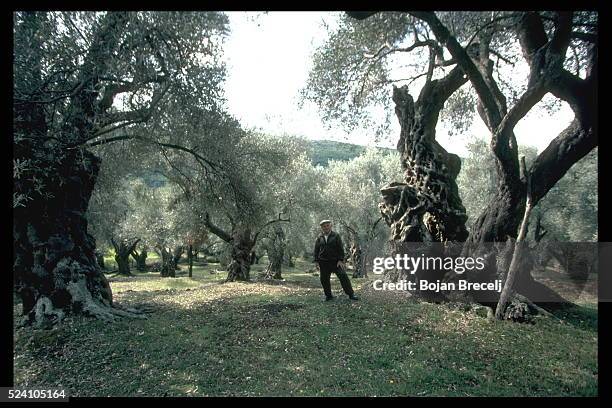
(353,297)
(328,298)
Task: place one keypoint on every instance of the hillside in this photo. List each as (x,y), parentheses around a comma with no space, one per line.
(322,151)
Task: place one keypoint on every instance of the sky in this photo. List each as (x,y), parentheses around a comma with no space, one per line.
(268,58)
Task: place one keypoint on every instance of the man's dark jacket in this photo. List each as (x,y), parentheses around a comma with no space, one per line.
(333,250)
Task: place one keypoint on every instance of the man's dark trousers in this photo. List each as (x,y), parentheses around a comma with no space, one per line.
(327,267)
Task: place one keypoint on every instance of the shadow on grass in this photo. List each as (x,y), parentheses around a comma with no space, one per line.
(294,281)
(581,317)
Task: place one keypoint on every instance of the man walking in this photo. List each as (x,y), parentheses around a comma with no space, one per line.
(329,257)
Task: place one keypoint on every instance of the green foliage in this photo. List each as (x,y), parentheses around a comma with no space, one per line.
(350,193)
(568,211)
(347,77)
(323,151)
(477,179)
(87,78)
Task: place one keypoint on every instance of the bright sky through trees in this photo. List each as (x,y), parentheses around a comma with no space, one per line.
(269,56)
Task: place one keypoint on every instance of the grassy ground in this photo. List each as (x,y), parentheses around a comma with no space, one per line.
(209,338)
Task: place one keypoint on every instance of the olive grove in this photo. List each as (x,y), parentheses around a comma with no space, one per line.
(463,64)
(84,80)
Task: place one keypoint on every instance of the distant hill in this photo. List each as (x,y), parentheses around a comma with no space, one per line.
(322,151)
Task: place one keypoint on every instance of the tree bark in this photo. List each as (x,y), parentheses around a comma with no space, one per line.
(357,259)
(123,250)
(55,268)
(168,267)
(239,268)
(501,218)
(406,205)
(288,258)
(140,258)
(190,256)
(123,265)
(545,56)
(276,254)
(242,241)
(426,206)
(176,254)
(519,245)
(355,252)
(100,259)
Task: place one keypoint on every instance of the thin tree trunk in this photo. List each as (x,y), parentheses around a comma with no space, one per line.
(190,255)
(513,270)
(357,258)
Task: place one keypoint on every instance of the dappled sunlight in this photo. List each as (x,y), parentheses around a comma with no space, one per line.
(256,339)
(183,293)
(181,196)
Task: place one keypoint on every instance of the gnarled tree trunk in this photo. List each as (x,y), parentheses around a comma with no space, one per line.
(242,241)
(406,206)
(276,253)
(501,218)
(141,259)
(168,267)
(242,244)
(425,207)
(123,249)
(176,254)
(55,268)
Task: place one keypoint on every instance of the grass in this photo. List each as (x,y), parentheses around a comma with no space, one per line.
(207,338)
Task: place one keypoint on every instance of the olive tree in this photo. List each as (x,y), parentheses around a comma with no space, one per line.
(243,193)
(558,51)
(81,80)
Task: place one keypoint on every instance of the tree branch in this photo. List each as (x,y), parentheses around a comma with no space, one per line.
(112,90)
(571,145)
(269,223)
(201,160)
(586,37)
(216,230)
(360,15)
(526,102)
(463,59)
(134,116)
